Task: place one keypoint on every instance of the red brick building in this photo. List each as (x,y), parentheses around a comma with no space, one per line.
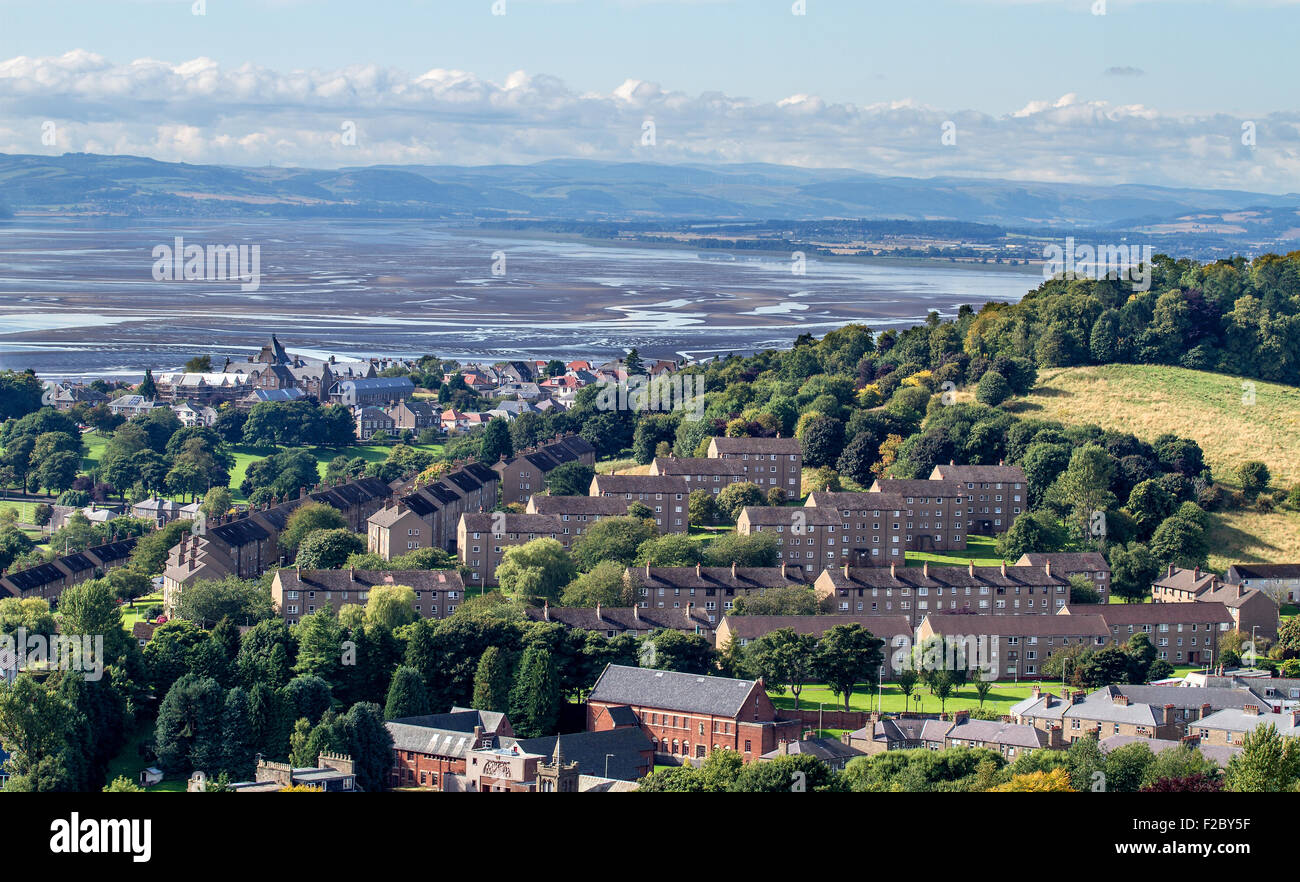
(687,716)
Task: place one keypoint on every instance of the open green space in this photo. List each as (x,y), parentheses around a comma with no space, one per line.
(982,550)
(1233,420)
(129,764)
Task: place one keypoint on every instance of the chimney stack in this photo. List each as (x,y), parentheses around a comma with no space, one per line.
(598,618)
(971,568)
(733,569)
(546,610)
(1004,567)
(1048,568)
(893,570)
(925,569)
(697,571)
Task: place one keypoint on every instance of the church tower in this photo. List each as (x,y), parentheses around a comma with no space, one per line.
(557,776)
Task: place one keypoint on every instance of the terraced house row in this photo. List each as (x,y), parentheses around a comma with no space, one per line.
(49,580)
(246,545)
(428,515)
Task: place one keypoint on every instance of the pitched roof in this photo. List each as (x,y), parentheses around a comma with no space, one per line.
(753,627)
(640,484)
(589,750)
(931,576)
(1122,614)
(830,750)
(1219,753)
(1237,720)
(980,474)
(764,446)
(851,501)
(1019,626)
(701,465)
(511,522)
(915,487)
(691,693)
(622,618)
(788,516)
(997,732)
(364,580)
(604,506)
(1238,572)
(719,577)
(1066,561)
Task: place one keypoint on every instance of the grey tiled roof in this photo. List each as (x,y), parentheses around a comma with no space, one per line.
(691,693)
(588,750)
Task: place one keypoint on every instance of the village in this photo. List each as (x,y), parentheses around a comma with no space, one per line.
(714,583)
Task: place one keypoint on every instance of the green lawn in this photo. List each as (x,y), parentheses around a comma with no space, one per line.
(129,764)
(1000,699)
(131,615)
(980,549)
(26,510)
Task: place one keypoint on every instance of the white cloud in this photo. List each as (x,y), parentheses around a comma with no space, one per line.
(199,111)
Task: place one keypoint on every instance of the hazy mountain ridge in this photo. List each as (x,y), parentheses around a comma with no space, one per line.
(579,189)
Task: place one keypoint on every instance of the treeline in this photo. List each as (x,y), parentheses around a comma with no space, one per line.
(1268,763)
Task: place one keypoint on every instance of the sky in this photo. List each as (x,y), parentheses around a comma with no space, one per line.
(1167,92)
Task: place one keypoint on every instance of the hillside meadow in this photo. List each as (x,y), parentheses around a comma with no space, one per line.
(1216,411)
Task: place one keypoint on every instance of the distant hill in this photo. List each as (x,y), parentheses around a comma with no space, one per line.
(579,189)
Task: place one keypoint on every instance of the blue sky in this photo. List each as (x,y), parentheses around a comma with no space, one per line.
(1185,73)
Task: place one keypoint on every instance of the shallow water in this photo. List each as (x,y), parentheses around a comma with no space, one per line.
(78,297)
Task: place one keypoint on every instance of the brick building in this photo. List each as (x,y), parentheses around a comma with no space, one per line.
(1012,647)
(768,462)
(916,592)
(297,593)
(805,537)
(688,716)
(995,495)
(873,526)
(711,589)
(525,473)
(701,472)
(1254,613)
(615,621)
(1089,564)
(932,512)
(469,487)
(670,515)
(1182,633)
(484,537)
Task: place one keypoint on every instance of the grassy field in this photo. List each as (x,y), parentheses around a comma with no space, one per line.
(1149,400)
(25,510)
(1253,537)
(1004,694)
(980,549)
(133,614)
(1000,699)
